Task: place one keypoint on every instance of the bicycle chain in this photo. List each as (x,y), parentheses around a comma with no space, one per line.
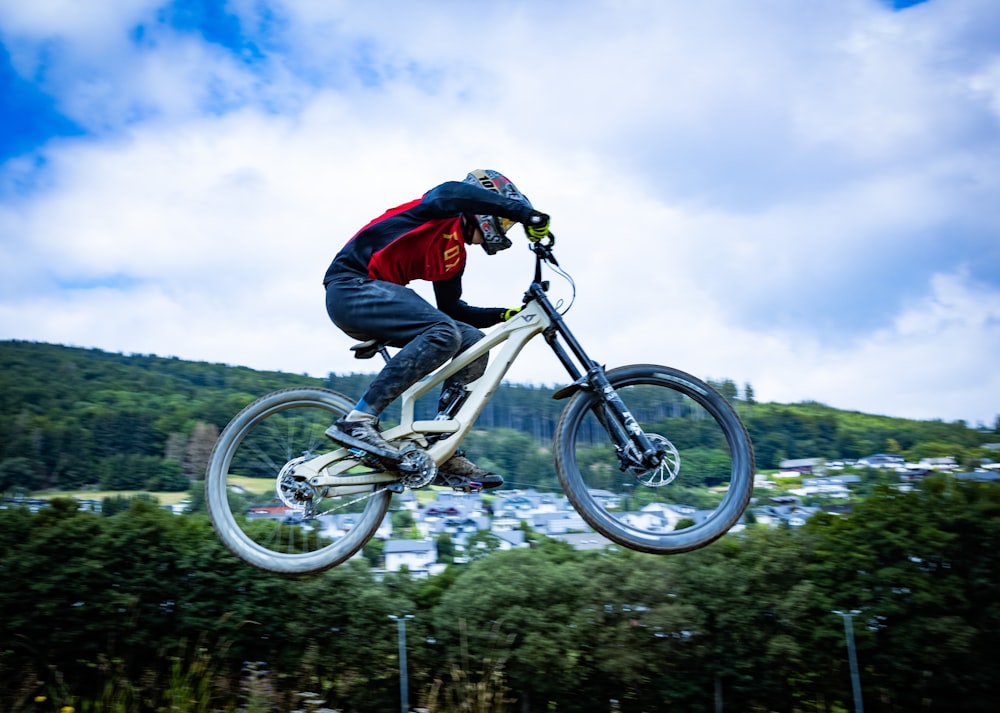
(426,470)
(350,502)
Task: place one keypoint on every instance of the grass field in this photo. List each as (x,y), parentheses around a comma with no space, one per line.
(258,486)
(163,498)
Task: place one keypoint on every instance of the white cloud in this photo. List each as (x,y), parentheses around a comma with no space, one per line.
(797,198)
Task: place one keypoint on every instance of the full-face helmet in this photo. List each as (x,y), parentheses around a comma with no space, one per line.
(494,227)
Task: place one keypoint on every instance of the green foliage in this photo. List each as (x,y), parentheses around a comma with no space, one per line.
(523,462)
(138,472)
(445,548)
(142,609)
(812,430)
(19,475)
(138,609)
(73,417)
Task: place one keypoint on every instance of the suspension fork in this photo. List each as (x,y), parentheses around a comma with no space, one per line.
(633,446)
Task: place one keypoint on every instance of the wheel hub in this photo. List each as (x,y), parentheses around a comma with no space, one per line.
(295,491)
(664,472)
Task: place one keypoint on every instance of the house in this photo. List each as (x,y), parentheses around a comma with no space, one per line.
(333,526)
(941,463)
(982,476)
(585,540)
(514,503)
(832,487)
(881,460)
(455,525)
(649,520)
(826,490)
(832,480)
(338,525)
(502,523)
(417,556)
(606,499)
(788,510)
(800,465)
(457,514)
(510,539)
(270,511)
(760,481)
(555,523)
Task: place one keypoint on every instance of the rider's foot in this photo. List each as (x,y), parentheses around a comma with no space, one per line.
(363,434)
(460,473)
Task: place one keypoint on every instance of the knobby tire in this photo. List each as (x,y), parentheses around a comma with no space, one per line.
(715,459)
(280,415)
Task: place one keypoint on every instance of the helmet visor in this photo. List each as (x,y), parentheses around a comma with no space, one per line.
(494,234)
(505,224)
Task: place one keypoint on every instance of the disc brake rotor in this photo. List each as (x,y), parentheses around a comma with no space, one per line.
(665,471)
(295,492)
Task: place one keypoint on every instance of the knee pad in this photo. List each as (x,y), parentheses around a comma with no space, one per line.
(444,336)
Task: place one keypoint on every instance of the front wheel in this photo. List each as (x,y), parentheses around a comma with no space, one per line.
(266,515)
(697,492)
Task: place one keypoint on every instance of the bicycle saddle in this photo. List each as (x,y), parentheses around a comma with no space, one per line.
(368,349)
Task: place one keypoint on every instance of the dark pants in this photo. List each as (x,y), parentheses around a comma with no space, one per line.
(426,336)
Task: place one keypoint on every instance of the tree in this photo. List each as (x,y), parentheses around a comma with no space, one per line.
(538,597)
(445,548)
(915,564)
(199,449)
(19,474)
(727,388)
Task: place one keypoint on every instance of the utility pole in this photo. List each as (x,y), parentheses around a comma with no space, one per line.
(404,693)
(859,706)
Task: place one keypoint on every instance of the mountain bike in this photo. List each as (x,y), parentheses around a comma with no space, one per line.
(652,458)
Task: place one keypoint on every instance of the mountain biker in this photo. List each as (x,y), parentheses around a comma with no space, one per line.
(367,298)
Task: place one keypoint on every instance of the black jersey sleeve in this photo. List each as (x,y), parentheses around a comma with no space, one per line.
(448,294)
(457,197)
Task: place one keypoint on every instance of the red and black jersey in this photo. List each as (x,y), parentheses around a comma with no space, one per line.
(425,239)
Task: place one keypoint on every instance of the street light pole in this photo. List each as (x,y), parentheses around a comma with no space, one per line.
(859,706)
(404,694)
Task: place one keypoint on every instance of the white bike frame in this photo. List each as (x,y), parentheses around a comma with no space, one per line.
(331,469)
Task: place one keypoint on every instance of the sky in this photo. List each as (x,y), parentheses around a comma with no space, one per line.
(803,197)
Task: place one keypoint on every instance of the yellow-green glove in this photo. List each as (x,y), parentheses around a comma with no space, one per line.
(508,313)
(537,226)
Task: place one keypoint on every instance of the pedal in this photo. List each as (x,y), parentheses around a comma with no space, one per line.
(366,459)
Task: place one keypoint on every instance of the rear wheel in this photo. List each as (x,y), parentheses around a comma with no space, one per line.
(696,493)
(263,512)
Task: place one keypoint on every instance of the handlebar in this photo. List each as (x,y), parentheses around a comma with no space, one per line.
(543,249)
(543,253)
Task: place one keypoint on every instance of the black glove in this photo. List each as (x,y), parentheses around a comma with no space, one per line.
(537,226)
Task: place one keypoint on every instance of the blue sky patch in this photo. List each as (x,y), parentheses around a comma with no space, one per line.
(28,116)
(120,282)
(214,23)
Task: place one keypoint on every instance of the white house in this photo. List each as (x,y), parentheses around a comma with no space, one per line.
(416,555)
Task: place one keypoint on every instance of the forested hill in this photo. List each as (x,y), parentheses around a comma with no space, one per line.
(71,417)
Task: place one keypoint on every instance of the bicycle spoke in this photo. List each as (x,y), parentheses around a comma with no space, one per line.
(692,496)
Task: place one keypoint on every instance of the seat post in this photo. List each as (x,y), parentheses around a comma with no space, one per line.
(369,348)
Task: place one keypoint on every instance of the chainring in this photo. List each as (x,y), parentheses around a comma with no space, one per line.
(416,467)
